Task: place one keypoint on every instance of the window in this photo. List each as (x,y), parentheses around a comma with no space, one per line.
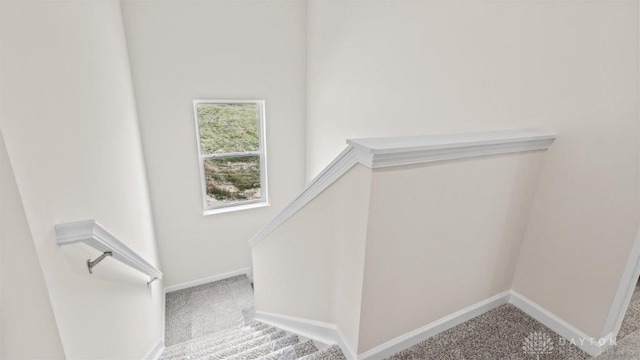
(231,147)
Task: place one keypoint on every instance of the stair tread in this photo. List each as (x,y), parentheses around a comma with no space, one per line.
(225,310)
(219,337)
(232,351)
(263,350)
(333,352)
(211,347)
(292,352)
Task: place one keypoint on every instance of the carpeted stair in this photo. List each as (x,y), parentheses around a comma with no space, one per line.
(250,340)
(215,321)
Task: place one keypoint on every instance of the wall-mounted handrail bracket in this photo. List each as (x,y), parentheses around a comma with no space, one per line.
(151,280)
(91,264)
(93,234)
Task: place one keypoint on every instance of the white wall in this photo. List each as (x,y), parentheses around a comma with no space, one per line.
(442,237)
(380,68)
(311,266)
(69,120)
(25,311)
(181,51)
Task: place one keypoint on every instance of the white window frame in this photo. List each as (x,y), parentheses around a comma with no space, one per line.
(241,205)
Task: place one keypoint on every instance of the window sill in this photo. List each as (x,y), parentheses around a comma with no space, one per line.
(235,208)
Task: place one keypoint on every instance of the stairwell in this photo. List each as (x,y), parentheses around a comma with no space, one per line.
(246,338)
(251,340)
(239,338)
(407,224)
(362,310)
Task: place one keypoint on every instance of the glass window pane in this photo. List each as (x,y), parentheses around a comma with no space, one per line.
(226,128)
(233,179)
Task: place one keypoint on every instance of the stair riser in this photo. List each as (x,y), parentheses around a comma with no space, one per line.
(218,346)
(218,338)
(242,347)
(263,350)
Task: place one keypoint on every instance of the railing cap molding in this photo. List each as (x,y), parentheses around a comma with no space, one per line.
(409,150)
(405,150)
(398,144)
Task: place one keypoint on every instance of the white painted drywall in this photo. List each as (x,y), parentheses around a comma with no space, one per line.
(382,68)
(186,50)
(442,237)
(311,266)
(68,116)
(383,253)
(25,311)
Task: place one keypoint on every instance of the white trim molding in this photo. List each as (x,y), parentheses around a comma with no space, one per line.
(315,330)
(188,284)
(330,334)
(573,335)
(338,167)
(261,153)
(396,151)
(95,235)
(588,344)
(418,335)
(624,293)
(155,352)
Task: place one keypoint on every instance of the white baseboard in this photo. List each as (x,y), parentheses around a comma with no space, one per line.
(188,284)
(585,342)
(411,338)
(315,330)
(330,334)
(347,349)
(164,316)
(155,352)
(625,291)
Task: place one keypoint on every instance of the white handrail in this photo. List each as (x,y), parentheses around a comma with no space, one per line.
(95,235)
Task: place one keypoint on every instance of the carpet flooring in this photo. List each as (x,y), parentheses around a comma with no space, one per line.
(501,333)
(206,309)
(215,321)
(627,348)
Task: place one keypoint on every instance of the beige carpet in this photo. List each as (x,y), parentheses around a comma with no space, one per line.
(200,320)
(215,321)
(206,309)
(505,333)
